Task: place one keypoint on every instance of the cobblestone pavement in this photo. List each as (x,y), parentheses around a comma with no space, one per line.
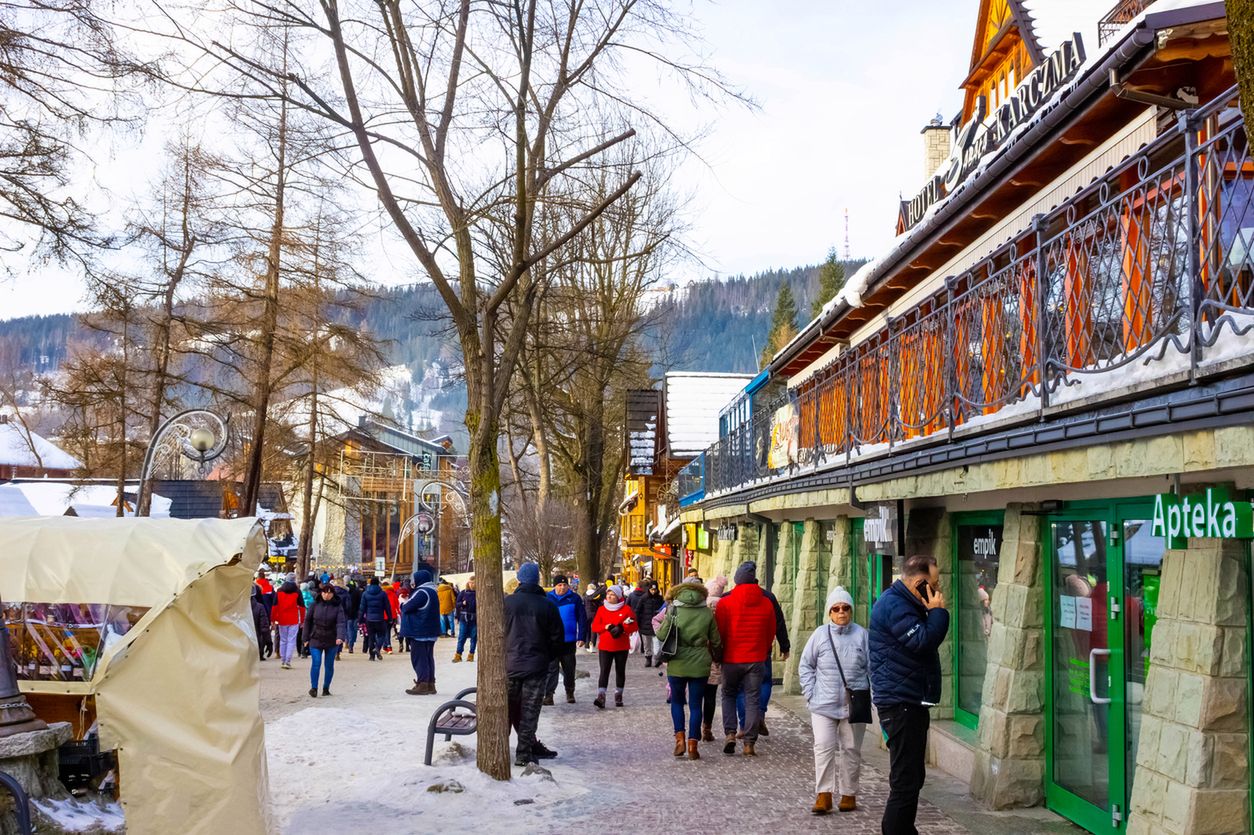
(627,754)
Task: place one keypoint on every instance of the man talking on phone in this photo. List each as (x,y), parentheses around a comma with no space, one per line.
(908,624)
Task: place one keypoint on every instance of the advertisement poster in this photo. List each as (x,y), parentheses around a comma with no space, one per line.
(783,450)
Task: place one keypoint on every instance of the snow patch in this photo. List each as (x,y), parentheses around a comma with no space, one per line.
(73,815)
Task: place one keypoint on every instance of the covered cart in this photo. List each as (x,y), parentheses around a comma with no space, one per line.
(141,629)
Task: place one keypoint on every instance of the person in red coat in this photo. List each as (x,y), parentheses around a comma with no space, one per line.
(393,590)
(289,616)
(746,621)
(614,623)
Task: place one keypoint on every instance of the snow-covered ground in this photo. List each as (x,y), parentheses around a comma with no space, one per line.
(353,762)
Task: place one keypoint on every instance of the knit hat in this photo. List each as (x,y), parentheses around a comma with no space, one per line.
(529,572)
(839,595)
(291,577)
(558,579)
(717,586)
(421,577)
(618,591)
(746,573)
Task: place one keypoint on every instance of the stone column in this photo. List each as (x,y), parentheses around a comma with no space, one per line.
(1010,760)
(928,531)
(809,590)
(1192,762)
(840,566)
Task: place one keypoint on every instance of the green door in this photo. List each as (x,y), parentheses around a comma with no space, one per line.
(1102,582)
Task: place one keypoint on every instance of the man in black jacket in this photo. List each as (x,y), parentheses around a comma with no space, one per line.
(633,600)
(533,638)
(648,605)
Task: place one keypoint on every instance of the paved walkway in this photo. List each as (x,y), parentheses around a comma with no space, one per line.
(358,754)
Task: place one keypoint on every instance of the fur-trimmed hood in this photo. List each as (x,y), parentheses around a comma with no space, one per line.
(697,593)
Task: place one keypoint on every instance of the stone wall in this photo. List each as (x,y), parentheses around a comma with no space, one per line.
(809,590)
(928,531)
(1192,763)
(1010,758)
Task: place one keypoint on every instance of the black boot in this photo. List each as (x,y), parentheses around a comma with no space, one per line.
(648,660)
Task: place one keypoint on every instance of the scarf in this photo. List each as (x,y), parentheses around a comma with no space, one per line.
(614,607)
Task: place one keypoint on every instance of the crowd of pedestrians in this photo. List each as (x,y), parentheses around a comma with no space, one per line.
(713,642)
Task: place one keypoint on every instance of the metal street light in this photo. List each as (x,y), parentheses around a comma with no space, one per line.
(16,715)
(197,434)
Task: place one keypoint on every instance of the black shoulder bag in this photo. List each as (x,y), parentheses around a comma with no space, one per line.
(859,700)
(670,646)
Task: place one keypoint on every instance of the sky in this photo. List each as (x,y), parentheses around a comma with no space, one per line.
(843,89)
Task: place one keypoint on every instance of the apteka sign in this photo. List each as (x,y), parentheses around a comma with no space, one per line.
(980,136)
(1211,515)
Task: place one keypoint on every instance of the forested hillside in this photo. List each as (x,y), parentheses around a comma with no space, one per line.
(717,325)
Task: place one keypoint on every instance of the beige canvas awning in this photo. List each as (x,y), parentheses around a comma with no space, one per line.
(177,695)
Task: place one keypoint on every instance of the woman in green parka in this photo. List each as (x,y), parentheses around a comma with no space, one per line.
(699,641)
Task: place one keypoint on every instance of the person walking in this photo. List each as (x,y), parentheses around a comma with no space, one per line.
(261,621)
(448,605)
(376,611)
(393,591)
(647,606)
(268,598)
(836,659)
(686,672)
(289,616)
(353,611)
(464,607)
(710,699)
(533,637)
(614,623)
(908,624)
(594,597)
(574,633)
(746,622)
(768,670)
(324,633)
(420,626)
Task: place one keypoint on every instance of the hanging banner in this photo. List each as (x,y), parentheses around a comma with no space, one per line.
(783,450)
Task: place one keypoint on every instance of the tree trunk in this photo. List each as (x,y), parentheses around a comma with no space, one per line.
(306,511)
(492,753)
(1241,31)
(269,324)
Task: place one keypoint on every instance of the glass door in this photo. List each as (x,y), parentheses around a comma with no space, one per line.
(1085,700)
(1103,585)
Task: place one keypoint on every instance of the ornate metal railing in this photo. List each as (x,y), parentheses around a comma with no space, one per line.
(1115,19)
(1146,269)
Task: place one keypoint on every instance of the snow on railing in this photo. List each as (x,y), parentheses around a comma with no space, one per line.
(1145,273)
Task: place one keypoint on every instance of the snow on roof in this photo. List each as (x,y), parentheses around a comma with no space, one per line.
(1054,21)
(16,449)
(1056,16)
(693,401)
(54,498)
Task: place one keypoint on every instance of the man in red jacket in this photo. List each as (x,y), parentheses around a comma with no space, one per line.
(746,622)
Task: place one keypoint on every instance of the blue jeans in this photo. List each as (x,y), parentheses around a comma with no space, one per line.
(691,690)
(321,656)
(763,698)
(470,630)
(447,625)
(352,633)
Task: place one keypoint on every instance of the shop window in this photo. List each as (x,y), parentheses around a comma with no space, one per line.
(977,551)
(63,641)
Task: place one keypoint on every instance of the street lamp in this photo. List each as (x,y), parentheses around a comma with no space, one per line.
(197,434)
(16,715)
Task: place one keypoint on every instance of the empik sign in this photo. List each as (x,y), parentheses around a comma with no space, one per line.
(1210,515)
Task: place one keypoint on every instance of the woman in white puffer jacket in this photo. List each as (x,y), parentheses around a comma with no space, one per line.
(837,741)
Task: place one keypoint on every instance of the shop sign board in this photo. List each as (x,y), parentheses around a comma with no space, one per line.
(879,528)
(1211,515)
(981,136)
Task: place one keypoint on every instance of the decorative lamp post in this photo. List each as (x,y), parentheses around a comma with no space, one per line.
(197,434)
(16,716)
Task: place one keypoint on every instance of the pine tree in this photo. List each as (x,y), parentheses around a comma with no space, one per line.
(783,324)
(831,279)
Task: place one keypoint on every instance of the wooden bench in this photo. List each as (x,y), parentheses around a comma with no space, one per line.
(448,721)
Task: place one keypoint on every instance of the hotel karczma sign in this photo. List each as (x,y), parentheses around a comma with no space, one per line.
(1210,515)
(981,136)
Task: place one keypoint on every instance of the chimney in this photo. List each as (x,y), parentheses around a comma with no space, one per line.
(936,142)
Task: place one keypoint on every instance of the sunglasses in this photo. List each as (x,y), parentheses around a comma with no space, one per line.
(841,607)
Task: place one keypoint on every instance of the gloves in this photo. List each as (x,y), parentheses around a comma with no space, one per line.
(615,630)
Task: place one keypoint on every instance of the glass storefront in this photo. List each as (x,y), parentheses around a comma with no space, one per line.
(977,555)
